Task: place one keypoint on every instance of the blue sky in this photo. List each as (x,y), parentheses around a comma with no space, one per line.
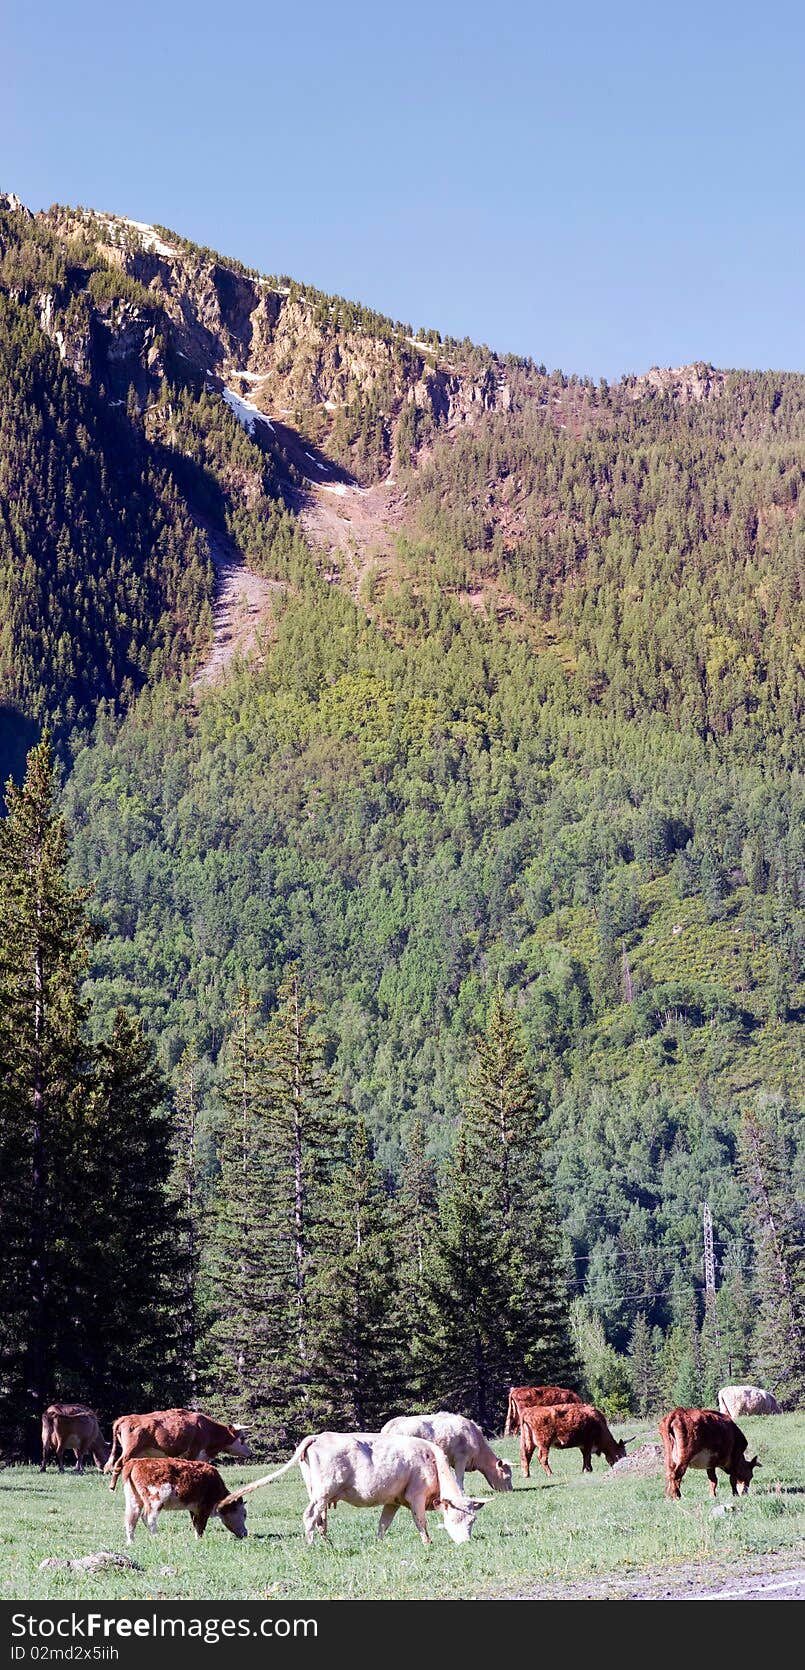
(604,187)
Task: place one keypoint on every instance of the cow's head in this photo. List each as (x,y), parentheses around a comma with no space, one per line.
(503,1476)
(239,1447)
(459,1517)
(743,1474)
(101,1452)
(232,1514)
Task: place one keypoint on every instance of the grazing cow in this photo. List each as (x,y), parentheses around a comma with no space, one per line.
(706,1439)
(519,1396)
(72,1426)
(567,1426)
(462,1441)
(151,1486)
(174,1432)
(376,1470)
(746,1400)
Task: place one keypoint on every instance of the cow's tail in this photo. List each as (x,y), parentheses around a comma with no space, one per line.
(48,1437)
(268,1478)
(674,1441)
(722,1404)
(511,1417)
(115,1457)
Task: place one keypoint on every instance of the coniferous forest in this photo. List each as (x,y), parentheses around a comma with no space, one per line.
(376,1020)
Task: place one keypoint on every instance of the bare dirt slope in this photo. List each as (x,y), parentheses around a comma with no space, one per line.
(241,612)
(352,526)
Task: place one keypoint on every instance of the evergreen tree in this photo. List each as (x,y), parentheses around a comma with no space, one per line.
(358,1350)
(185,1191)
(765,1156)
(735,1308)
(503,1123)
(239,1246)
(416,1216)
(301,1149)
(644,1367)
(45,1075)
(474,1344)
(136,1333)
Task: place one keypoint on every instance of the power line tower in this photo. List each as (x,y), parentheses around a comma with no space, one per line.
(710,1275)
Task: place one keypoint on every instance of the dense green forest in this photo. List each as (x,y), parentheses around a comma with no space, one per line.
(545,752)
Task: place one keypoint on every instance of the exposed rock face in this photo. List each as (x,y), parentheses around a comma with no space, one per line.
(277,347)
(684,383)
(10,203)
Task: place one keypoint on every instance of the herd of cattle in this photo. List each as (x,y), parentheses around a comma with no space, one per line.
(415,1461)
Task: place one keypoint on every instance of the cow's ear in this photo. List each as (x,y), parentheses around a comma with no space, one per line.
(755,1463)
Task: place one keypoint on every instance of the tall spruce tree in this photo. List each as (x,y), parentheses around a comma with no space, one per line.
(302,1139)
(186,1194)
(473,1345)
(136,1341)
(239,1242)
(504,1125)
(46,1086)
(358,1350)
(416,1219)
(765,1156)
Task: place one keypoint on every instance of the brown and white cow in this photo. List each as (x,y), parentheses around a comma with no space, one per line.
(378,1470)
(747,1400)
(152,1486)
(567,1426)
(462,1441)
(174,1432)
(72,1426)
(705,1439)
(520,1396)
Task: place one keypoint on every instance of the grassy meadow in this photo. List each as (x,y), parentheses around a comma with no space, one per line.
(566,1530)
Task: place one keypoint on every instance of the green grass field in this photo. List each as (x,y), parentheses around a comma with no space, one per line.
(568,1529)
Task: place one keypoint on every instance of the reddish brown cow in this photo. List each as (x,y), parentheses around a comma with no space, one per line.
(703,1438)
(567,1426)
(174,1432)
(520,1396)
(72,1426)
(151,1485)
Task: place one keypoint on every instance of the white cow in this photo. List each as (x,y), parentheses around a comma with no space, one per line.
(372,1470)
(746,1400)
(462,1441)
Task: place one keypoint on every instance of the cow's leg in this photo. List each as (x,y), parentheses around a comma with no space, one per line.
(420,1519)
(711,1474)
(133,1510)
(315,1517)
(525,1456)
(459,1470)
(152,1514)
(80,1457)
(199,1518)
(386,1517)
(586,1461)
(675,1477)
(543,1453)
(60,1455)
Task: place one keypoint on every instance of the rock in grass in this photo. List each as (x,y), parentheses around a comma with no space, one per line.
(645,1462)
(91,1563)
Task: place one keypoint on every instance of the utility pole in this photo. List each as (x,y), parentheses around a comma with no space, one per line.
(710,1275)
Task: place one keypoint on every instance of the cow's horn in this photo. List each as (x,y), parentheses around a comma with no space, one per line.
(629,1440)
